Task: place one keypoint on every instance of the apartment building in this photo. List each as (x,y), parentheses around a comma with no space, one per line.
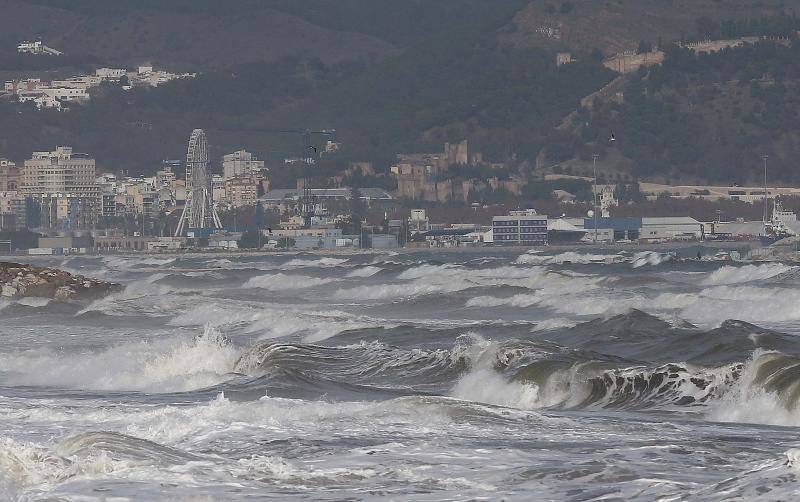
(64,184)
(60,172)
(242,191)
(10,176)
(240,163)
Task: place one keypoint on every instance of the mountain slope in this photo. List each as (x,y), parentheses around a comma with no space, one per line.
(707,118)
(619,25)
(188,38)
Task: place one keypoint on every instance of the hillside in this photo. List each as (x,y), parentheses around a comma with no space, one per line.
(708,117)
(457,82)
(407,76)
(187,38)
(619,25)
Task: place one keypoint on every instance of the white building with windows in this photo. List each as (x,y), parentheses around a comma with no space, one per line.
(240,163)
(61,173)
(37,47)
(670,228)
(520,228)
(110,73)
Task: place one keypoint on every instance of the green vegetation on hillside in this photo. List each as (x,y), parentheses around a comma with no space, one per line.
(458,83)
(402,22)
(707,117)
(444,71)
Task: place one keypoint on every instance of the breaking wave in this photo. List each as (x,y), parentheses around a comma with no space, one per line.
(160,366)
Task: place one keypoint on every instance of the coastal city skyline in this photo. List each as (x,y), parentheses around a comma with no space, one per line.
(402,250)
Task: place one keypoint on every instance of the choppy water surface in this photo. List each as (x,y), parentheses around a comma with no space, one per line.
(412,376)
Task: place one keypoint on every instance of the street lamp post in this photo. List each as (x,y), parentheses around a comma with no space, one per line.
(766,210)
(594,192)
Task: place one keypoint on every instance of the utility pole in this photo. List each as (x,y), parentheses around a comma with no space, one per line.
(766,210)
(594,192)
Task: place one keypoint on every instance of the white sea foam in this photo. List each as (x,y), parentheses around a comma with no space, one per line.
(422,271)
(569,257)
(553,323)
(580,295)
(434,279)
(745,303)
(30,301)
(483,384)
(319,262)
(278,282)
(176,364)
(748,401)
(130,262)
(312,325)
(367,271)
(143,294)
(651,258)
(729,275)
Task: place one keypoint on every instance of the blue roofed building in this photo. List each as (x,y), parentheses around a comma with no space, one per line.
(612,228)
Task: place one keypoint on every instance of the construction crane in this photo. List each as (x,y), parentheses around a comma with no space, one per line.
(307,204)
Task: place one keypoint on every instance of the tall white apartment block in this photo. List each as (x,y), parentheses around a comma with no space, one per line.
(60,172)
(240,163)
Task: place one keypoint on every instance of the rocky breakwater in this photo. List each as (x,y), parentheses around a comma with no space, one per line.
(17,281)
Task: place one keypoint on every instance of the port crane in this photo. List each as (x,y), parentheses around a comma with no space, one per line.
(307,134)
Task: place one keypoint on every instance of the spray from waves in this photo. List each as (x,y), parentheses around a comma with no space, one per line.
(651,258)
(176,364)
(482,383)
(569,257)
(768,392)
(729,275)
(279,282)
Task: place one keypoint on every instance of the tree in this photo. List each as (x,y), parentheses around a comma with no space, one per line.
(250,240)
(707,27)
(357,209)
(124,81)
(286,242)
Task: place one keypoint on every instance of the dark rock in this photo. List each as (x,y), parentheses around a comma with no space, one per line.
(17,281)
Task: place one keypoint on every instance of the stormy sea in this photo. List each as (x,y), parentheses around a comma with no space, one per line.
(482,375)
